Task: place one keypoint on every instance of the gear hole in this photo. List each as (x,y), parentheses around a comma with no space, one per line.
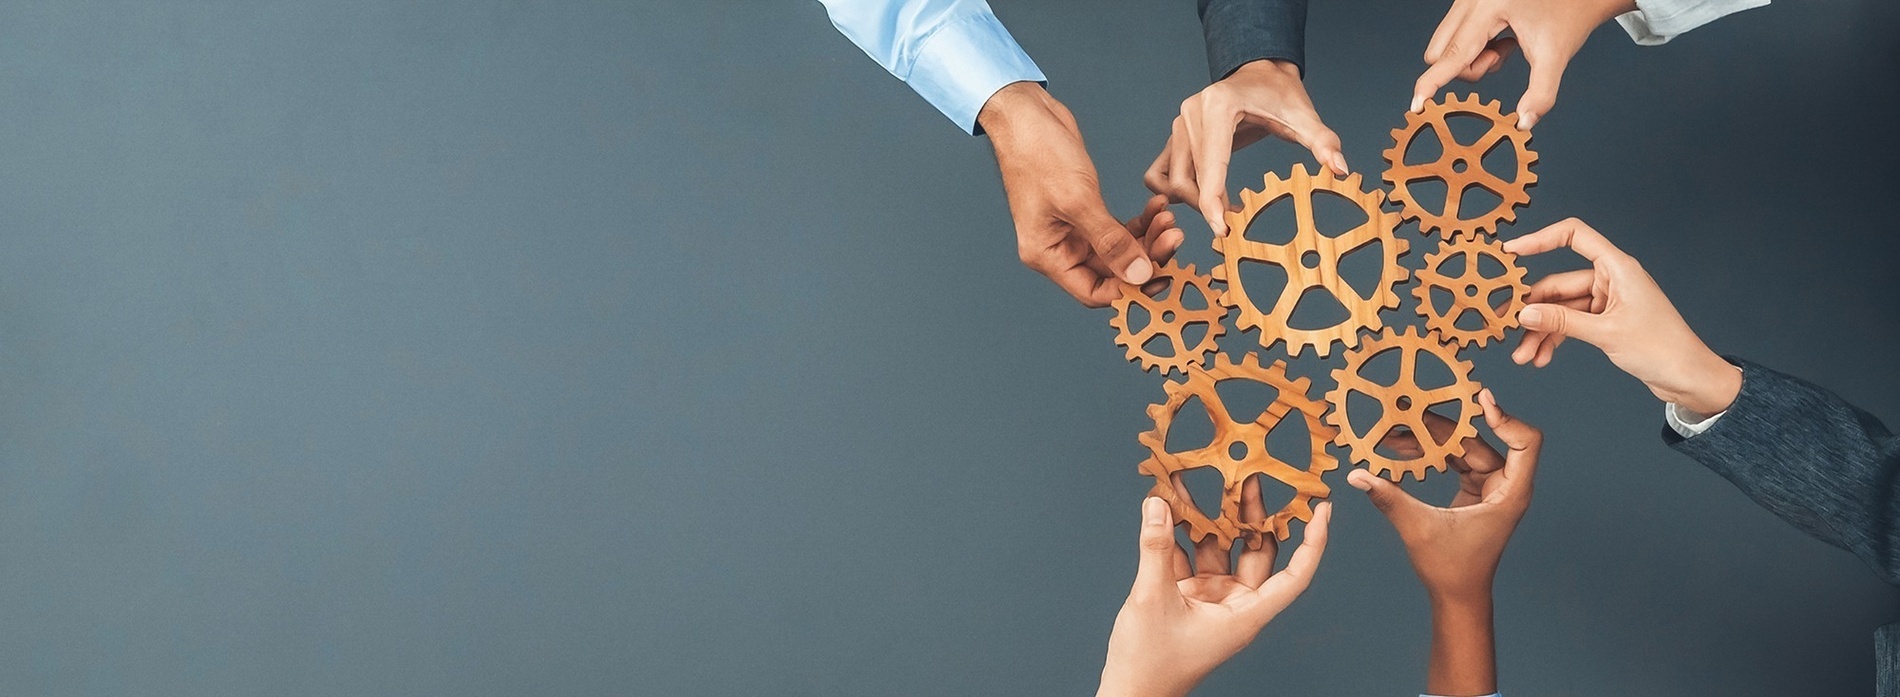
(1500,298)
(1477,202)
(1441,299)
(1467,129)
(1453,265)
(1317,309)
(1192,428)
(1161,345)
(1274,494)
(1262,283)
(1138,318)
(1381,368)
(1428,193)
(1430,372)
(1191,298)
(1335,215)
(1470,320)
(1193,334)
(1364,268)
(1362,412)
(1205,486)
(1425,147)
(1501,160)
(1245,400)
(1448,410)
(1490,267)
(1274,223)
(1291,440)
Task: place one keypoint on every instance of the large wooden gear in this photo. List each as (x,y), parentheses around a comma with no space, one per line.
(1249,440)
(1460,166)
(1403,404)
(1169,317)
(1471,290)
(1311,260)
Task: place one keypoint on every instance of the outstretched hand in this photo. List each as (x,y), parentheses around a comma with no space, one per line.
(1456,549)
(1063,230)
(1181,621)
(1262,98)
(1616,306)
(1470,43)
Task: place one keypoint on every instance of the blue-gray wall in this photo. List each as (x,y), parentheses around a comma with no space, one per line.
(485,348)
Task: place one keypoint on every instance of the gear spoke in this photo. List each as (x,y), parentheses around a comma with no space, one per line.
(1455,156)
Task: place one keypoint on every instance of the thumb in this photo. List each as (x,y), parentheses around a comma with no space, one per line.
(1155,574)
(1385,496)
(1563,321)
(1541,94)
(1111,241)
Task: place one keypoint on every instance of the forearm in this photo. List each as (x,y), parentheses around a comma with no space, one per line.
(1241,31)
(1464,653)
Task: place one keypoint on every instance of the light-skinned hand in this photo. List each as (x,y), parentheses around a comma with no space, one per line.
(1456,549)
(1259,99)
(1063,230)
(1469,44)
(1615,306)
(1181,621)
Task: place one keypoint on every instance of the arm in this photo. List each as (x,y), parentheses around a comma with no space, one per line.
(1798,450)
(958,56)
(1456,549)
(1820,463)
(1256,55)
(954,53)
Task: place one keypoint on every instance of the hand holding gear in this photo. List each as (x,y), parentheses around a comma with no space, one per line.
(1460,166)
(1169,316)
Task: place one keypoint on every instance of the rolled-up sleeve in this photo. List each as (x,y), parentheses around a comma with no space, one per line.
(1657,21)
(954,53)
(1239,32)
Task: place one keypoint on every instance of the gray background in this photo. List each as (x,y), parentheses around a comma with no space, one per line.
(580,348)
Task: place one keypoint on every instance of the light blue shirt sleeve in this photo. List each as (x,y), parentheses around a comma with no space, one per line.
(954,53)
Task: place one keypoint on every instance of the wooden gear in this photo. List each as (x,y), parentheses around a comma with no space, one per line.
(1460,166)
(1311,260)
(1471,291)
(1403,403)
(1230,435)
(1170,317)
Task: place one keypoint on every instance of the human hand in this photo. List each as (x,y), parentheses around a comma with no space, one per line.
(1262,98)
(1063,230)
(1179,623)
(1467,45)
(1617,307)
(1456,549)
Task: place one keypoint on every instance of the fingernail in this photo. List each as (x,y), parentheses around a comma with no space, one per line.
(1358,480)
(1418,103)
(1139,271)
(1531,316)
(1525,121)
(1154,511)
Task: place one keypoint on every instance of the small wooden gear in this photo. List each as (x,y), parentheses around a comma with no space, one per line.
(1169,317)
(1460,166)
(1311,260)
(1403,404)
(1471,290)
(1249,440)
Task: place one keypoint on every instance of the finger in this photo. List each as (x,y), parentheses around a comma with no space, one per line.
(1111,242)
(1559,287)
(1163,246)
(1092,288)
(1454,19)
(1256,559)
(1154,576)
(1210,559)
(1558,320)
(1398,506)
(1403,442)
(1459,51)
(1213,139)
(1541,95)
(1281,588)
(1490,59)
(1523,440)
(1181,187)
(1156,178)
(1322,141)
(1570,232)
(1538,346)
(1143,224)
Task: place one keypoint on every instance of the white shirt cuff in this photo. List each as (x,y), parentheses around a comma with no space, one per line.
(1657,21)
(965,61)
(1686,423)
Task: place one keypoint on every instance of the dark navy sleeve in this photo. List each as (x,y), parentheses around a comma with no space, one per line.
(1242,31)
(1807,455)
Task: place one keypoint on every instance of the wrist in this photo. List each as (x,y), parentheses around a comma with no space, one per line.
(1014,104)
(1119,686)
(1267,67)
(1705,384)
